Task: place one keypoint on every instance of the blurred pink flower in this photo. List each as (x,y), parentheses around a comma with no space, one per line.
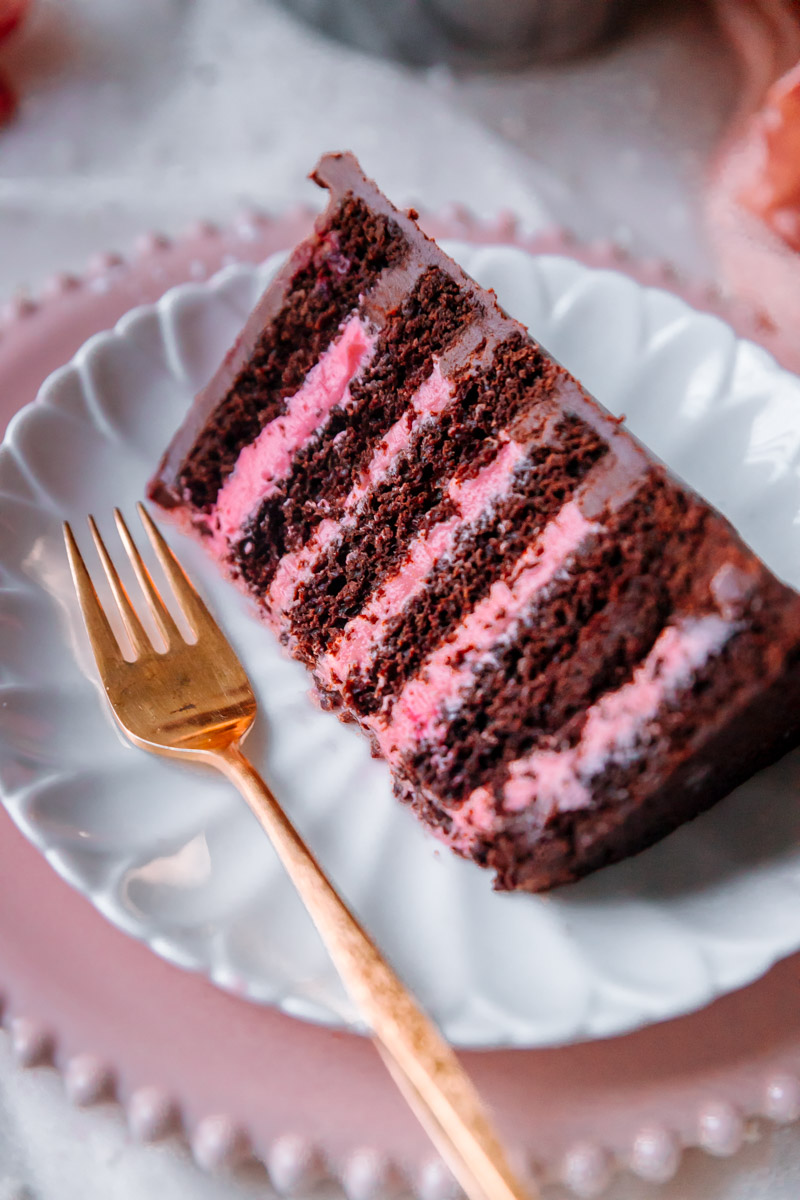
(753,201)
(773,191)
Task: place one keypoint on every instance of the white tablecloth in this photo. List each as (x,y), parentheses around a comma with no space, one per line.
(148,115)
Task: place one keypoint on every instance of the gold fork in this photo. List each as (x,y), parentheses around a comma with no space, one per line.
(193,700)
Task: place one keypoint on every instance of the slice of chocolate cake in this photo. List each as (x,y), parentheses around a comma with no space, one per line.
(561,650)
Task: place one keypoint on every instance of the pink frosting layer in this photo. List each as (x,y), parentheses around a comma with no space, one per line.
(472,498)
(261,465)
(475,816)
(552,780)
(295,568)
(417,713)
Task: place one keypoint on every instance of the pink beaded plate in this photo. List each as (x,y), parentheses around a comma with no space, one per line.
(244,1081)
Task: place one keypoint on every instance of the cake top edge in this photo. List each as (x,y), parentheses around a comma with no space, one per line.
(341,174)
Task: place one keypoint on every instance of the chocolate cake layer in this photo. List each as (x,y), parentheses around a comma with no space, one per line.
(583,638)
(413,497)
(423,326)
(702,748)
(547,477)
(352,247)
(561,651)
(695,755)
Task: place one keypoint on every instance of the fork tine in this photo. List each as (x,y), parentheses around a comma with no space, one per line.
(161,614)
(106,649)
(186,594)
(139,639)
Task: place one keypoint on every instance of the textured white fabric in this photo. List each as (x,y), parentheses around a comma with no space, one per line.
(148,115)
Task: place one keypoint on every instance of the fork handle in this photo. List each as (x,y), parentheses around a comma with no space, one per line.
(436,1086)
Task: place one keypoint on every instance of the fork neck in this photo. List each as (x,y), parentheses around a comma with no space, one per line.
(237,768)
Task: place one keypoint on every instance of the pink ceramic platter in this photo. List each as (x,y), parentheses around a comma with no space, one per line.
(247,1082)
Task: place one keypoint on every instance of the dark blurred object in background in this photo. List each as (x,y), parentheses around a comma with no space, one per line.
(466,33)
(8,101)
(11,14)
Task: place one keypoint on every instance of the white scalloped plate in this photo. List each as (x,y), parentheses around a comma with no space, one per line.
(173,857)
